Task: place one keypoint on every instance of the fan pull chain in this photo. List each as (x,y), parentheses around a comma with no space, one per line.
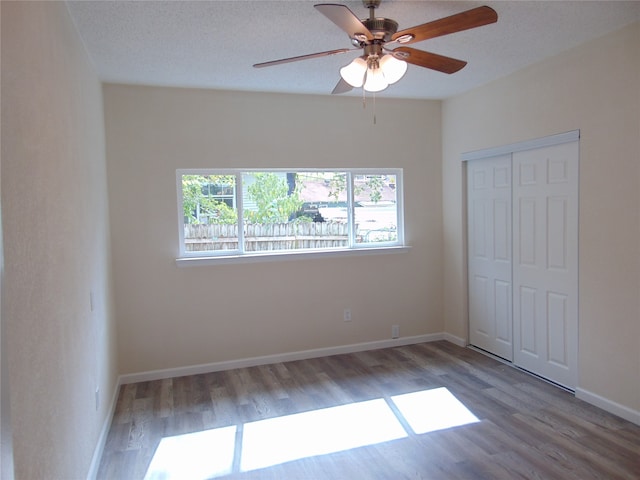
(364,104)
(374,108)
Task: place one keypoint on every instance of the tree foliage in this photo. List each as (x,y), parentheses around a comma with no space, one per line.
(274,203)
(274,199)
(337,185)
(196,203)
(372,186)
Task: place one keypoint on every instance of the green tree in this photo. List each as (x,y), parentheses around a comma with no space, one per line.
(273,202)
(337,184)
(196,198)
(373,187)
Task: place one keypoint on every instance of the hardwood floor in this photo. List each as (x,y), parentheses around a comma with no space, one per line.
(523,427)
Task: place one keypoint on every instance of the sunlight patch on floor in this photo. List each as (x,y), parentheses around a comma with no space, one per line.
(318,432)
(435,409)
(194,456)
(273,441)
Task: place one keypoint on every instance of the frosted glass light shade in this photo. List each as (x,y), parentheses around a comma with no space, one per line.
(375,81)
(353,73)
(393,68)
(375,76)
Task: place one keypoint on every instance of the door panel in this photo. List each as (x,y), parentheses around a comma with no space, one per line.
(489,252)
(528,321)
(557,240)
(503,316)
(527,210)
(557,324)
(545,261)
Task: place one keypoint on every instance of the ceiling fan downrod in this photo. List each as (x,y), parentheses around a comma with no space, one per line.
(371,5)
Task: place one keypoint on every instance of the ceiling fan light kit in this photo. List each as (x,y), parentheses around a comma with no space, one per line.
(381,66)
(375,81)
(373,73)
(354,73)
(393,68)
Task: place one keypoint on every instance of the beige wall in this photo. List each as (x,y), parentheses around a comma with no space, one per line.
(594,88)
(171,316)
(56,243)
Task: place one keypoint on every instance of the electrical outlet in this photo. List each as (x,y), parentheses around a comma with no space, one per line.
(395,331)
(97,398)
(347,314)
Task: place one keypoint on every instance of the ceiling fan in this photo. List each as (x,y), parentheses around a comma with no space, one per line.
(379,65)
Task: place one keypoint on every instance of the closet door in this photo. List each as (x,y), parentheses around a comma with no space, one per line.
(545,261)
(489,254)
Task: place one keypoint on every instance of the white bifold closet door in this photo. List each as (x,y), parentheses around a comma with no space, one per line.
(523,258)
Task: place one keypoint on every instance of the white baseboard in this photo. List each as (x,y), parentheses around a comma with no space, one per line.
(459,341)
(277,358)
(609,405)
(102,439)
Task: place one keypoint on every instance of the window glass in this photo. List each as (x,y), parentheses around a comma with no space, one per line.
(280,210)
(294,210)
(375,208)
(210,215)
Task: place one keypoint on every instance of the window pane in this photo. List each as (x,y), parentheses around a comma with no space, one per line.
(288,210)
(210,214)
(375,208)
(294,210)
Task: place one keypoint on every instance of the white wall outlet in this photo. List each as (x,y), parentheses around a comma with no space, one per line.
(97,398)
(347,315)
(395,331)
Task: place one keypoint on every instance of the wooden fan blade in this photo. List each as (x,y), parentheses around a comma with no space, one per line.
(473,18)
(302,57)
(428,60)
(345,19)
(341,87)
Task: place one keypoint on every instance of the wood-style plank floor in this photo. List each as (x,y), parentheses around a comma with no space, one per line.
(525,428)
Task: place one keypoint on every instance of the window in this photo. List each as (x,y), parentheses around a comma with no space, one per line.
(287,211)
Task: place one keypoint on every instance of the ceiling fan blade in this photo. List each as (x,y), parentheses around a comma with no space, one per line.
(473,18)
(302,57)
(345,19)
(428,60)
(341,87)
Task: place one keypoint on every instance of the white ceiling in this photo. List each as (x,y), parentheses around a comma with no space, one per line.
(213,44)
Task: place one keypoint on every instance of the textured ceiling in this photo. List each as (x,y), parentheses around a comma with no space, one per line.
(213,44)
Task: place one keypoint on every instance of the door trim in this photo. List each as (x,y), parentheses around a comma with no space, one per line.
(548,141)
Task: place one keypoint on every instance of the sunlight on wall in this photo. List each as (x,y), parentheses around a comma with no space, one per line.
(273,441)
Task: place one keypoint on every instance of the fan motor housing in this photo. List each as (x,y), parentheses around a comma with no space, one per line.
(381,28)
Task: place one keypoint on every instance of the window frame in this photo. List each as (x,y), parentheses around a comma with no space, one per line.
(188,257)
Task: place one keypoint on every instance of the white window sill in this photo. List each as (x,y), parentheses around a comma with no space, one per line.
(276,256)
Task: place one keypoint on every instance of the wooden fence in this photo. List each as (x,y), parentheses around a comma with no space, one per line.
(274,236)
